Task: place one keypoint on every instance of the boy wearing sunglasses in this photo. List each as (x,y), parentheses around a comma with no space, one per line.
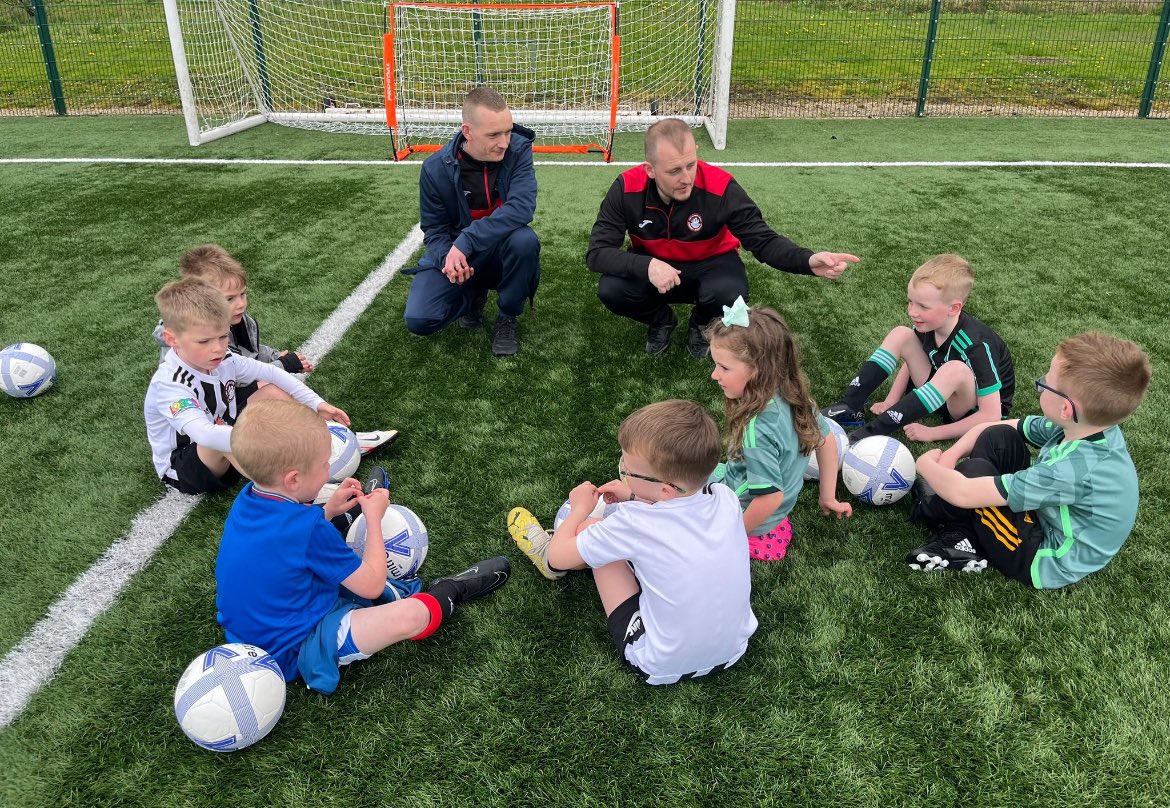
(670,564)
(1050,523)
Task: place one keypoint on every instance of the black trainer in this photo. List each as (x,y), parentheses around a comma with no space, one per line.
(845,415)
(949,549)
(506,336)
(697,345)
(658,335)
(482,579)
(376,478)
(474,316)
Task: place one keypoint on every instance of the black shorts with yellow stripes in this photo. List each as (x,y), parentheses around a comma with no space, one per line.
(1008,539)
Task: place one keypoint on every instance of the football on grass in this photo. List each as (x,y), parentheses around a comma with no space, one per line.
(878,470)
(230,697)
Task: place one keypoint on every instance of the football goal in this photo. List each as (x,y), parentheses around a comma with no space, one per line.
(573,72)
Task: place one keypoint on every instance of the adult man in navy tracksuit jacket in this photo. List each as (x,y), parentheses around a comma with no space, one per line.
(686,220)
(476,198)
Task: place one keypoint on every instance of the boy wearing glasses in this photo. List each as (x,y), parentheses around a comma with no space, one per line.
(671,564)
(1050,523)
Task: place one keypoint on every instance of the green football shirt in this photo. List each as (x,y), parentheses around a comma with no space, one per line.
(771,461)
(1085,493)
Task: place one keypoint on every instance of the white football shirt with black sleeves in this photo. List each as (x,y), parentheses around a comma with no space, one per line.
(185,405)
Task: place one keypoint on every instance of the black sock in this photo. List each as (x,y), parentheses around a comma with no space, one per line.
(870,375)
(448,595)
(344,521)
(906,411)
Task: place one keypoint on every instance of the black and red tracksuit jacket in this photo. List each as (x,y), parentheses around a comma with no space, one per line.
(717,218)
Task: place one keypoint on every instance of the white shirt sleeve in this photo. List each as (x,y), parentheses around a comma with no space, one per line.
(608,540)
(247,370)
(187,416)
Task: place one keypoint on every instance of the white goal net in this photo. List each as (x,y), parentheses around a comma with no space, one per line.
(554,63)
(320,64)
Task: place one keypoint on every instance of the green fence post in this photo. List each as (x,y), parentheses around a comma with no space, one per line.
(477,38)
(1155,62)
(261,58)
(928,57)
(49,56)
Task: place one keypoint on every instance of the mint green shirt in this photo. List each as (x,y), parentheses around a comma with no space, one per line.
(1085,493)
(771,461)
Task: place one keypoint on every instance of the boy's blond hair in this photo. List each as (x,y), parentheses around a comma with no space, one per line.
(273,437)
(950,274)
(1107,376)
(678,439)
(673,131)
(212,264)
(189,302)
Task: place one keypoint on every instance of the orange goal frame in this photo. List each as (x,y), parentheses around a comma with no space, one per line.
(388,75)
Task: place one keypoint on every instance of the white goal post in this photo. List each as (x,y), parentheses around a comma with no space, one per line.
(321,64)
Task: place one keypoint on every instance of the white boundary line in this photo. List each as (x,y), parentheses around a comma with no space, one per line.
(215,161)
(33,661)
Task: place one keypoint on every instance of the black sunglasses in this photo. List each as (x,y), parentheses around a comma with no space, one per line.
(622,473)
(1042,384)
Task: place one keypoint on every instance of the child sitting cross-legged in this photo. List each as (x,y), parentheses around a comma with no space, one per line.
(1050,523)
(285,579)
(953,364)
(671,563)
(216,267)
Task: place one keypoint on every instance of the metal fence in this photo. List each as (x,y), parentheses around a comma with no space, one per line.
(826,58)
(950,57)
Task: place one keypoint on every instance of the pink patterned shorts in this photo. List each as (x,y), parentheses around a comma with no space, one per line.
(772,545)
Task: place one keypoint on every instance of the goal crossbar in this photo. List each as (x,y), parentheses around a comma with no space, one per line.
(570,123)
(322,65)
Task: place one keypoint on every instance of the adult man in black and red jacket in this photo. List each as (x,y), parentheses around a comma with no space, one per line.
(686,221)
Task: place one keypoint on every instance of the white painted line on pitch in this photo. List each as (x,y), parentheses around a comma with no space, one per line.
(34,660)
(328,334)
(216,161)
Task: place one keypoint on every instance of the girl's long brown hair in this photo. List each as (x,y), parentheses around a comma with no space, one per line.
(767,345)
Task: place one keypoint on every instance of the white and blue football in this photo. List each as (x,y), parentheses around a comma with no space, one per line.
(403,534)
(344,453)
(812,471)
(230,697)
(599,512)
(26,370)
(878,470)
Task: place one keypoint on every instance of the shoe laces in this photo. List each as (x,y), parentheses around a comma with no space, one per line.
(951,536)
(506,328)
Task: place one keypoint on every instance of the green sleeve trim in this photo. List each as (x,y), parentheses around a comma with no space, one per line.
(1003,484)
(986,391)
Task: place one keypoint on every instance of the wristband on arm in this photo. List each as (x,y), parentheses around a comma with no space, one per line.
(291,362)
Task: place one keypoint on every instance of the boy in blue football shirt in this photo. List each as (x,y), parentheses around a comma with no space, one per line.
(285,579)
(1049,523)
